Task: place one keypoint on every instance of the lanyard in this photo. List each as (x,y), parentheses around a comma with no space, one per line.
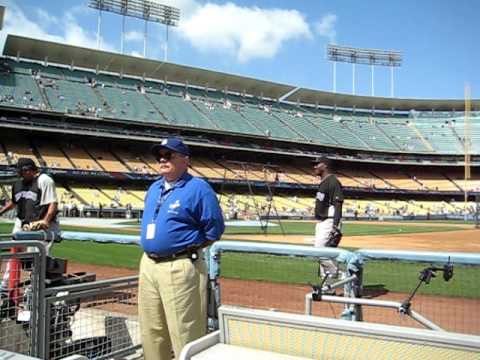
(160,201)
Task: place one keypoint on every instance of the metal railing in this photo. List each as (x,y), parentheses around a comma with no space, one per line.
(95,319)
(22,273)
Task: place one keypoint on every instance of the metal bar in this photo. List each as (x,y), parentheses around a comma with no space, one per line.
(391,82)
(145,40)
(40,278)
(99,20)
(334,76)
(424,321)
(137,8)
(342,282)
(89,292)
(368,302)
(373,81)
(308,303)
(120,352)
(353,78)
(34,314)
(421,256)
(122,38)
(166,43)
(92,285)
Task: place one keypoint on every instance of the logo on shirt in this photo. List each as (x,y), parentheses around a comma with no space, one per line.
(173,206)
(29,195)
(320,196)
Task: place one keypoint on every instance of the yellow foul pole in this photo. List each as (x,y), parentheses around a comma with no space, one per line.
(467,143)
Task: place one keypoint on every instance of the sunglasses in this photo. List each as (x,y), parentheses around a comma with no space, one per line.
(167,155)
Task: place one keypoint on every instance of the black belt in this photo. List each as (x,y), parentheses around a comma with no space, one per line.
(191,253)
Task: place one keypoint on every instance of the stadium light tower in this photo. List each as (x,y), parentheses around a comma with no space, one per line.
(149,11)
(370,57)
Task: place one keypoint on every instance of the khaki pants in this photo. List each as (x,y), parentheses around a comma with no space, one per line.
(172,305)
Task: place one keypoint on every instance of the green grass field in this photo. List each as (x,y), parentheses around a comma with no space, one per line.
(308,228)
(394,276)
(348,229)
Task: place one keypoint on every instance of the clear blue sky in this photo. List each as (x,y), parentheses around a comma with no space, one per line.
(285,41)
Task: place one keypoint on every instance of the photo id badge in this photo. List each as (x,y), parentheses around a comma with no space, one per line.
(150,231)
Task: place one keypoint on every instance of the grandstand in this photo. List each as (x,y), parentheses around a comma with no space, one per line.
(107,109)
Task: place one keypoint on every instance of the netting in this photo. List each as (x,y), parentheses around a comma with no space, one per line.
(281,282)
(267,281)
(454,305)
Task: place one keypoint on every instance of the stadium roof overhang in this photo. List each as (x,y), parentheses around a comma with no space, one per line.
(309,96)
(40,50)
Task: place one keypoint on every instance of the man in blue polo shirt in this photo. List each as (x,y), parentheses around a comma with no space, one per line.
(181,216)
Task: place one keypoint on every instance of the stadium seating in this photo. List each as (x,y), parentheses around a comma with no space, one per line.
(338,131)
(107,160)
(304,127)
(72,97)
(31,85)
(430,181)
(227,119)
(364,179)
(400,180)
(53,156)
(127,104)
(20,90)
(91,196)
(206,168)
(439,134)
(17,148)
(179,112)
(129,160)
(369,133)
(121,159)
(79,157)
(404,134)
(269,124)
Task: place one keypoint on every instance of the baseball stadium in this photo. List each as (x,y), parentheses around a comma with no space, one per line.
(410,171)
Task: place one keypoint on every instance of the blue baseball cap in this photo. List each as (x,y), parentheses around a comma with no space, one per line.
(173,144)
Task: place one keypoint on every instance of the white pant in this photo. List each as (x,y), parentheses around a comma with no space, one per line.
(322,230)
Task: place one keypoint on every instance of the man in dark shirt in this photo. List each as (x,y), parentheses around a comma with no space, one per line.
(328,209)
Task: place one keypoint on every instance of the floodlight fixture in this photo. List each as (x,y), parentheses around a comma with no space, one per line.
(149,11)
(372,57)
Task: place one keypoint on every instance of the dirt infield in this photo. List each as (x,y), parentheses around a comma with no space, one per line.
(455,241)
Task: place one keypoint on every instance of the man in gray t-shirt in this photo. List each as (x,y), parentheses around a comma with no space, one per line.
(34,196)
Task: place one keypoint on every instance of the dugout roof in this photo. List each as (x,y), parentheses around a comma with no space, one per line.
(42,50)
